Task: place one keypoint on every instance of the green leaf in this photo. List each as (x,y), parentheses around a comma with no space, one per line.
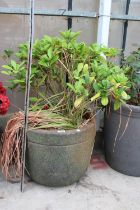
(19,81)
(8,52)
(85,68)
(91,79)
(7,67)
(86,78)
(14,64)
(96,86)
(42,63)
(71,87)
(50,52)
(105,83)
(80,66)
(124,95)
(79,88)
(96,96)
(33,99)
(6,72)
(104,100)
(78,101)
(117,105)
(35,108)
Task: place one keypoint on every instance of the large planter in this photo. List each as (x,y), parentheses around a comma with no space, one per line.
(59,158)
(123,154)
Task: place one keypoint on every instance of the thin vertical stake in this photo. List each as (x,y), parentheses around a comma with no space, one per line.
(125,30)
(69,26)
(69,18)
(27,92)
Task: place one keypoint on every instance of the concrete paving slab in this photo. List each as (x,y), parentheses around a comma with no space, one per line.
(101,188)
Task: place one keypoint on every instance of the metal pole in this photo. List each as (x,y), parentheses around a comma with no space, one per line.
(69,26)
(27,91)
(104,22)
(69,18)
(125,25)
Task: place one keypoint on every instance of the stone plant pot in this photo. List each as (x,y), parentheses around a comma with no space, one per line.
(59,158)
(125,155)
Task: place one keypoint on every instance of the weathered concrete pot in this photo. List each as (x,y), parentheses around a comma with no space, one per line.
(58,158)
(126,155)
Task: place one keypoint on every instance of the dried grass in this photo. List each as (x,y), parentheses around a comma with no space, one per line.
(12,138)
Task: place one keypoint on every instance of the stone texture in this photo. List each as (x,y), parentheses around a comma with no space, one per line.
(59,158)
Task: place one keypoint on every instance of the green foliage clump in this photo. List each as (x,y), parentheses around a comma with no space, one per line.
(131,64)
(69,76)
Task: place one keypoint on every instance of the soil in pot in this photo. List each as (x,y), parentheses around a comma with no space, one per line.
(59,158)
(123,154)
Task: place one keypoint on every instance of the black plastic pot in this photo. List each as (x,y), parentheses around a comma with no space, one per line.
(59,158)
(123,154)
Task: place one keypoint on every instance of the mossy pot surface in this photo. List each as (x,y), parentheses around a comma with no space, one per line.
(59,157)
(123,154)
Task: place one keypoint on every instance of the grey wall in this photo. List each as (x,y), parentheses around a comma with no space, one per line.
(116,27)
(14,28)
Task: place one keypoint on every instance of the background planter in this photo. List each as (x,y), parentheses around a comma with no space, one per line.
(57,158)
(126,155)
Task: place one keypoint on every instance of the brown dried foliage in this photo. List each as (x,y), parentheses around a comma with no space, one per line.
(11,149)
(11,160)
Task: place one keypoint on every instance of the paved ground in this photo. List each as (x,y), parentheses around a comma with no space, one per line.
(101,189)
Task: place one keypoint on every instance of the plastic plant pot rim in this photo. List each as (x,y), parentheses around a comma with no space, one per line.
(128,110)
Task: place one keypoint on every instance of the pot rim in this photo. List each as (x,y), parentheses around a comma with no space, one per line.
(127,110)
(130,106)
(64,131)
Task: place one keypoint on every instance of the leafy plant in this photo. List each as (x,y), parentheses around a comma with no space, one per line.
(132,67)
(7,53)
(69,81)
(68,77)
